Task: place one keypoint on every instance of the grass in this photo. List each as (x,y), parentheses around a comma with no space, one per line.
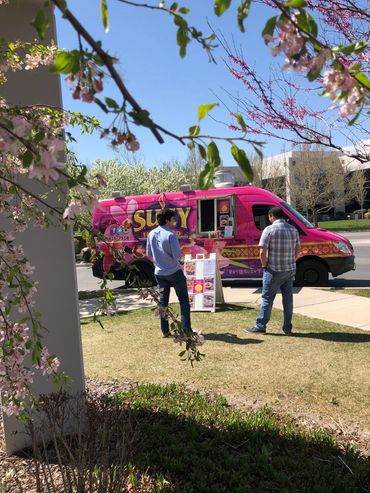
(167,439)
(346,225)
(323,370)
(357,292)
(200,444)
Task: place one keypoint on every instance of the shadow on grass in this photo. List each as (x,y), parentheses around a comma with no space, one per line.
(329,336)
(230,338)
(230,307)
(187,443)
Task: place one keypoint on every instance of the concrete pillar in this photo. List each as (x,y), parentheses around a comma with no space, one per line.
(50,250)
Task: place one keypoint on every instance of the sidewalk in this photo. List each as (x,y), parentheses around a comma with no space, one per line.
(337,307)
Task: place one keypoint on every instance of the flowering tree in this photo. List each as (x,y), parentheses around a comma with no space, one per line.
(33,139)
(313,167)
(336,61)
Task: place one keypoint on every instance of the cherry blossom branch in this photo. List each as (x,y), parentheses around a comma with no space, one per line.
(108,62)
(27,192)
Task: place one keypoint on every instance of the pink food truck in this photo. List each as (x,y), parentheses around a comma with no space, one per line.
(226,221)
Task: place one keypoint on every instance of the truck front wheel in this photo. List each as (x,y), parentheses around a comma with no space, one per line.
(311,273)
(140,275)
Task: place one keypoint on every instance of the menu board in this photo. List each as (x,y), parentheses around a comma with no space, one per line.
(201,280)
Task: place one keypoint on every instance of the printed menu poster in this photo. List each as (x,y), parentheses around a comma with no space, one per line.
(200,275)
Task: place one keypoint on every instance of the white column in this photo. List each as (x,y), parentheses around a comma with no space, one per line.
(50,250)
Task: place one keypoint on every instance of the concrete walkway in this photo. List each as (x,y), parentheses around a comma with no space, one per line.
(330,306)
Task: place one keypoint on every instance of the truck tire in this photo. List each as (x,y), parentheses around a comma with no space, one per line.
(140,275)
(311,272)
(97,268)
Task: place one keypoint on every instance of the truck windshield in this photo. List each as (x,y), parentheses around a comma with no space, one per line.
(297,215)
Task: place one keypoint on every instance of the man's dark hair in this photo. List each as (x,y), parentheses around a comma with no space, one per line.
(276,212)
(165,215)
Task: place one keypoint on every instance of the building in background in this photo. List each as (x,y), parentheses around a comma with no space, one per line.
(302,176)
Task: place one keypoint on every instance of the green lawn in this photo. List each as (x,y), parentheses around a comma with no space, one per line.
(323,371)
(194,443)
(346,225)
(357,292)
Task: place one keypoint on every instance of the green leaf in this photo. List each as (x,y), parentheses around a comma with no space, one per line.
(202,152)
(101,104)
(104,14)
(269,28)
(62,4)
(307,23)
(354,119)
(258,152)
(111,103)
(241,158)
(363,79)
(356,48)
(41,23)
(182,37)
(204,109)
(295,4)
(243,12)
(27,158)
(313,75)
(174,7)
(39,136)
(66,62)
(213,155)
(141,118)
(194,130)
(205,179)
(184,10)
(220,6)
(191,145)
(241,121)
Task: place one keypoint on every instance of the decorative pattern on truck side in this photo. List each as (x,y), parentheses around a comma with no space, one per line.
(324,249)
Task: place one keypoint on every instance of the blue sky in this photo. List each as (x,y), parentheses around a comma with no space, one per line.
(171,88)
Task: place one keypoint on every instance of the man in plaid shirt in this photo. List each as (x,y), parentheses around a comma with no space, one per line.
(279,249)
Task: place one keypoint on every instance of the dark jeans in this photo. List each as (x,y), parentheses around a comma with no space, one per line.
(271,282)
(177,281)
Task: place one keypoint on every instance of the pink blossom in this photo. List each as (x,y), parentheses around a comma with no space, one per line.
(86,95)
(48,364)
(76,93)
(98,85)
(289,40)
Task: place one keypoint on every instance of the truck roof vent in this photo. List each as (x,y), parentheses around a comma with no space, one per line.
(186,188)
(117,195)
(224,179)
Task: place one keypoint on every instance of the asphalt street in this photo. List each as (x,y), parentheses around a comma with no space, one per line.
(358,278)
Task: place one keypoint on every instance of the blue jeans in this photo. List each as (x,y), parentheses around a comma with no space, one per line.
(271,282)
(177,281)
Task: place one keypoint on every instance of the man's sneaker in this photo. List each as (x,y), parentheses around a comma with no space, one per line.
(256,330)
(168,334)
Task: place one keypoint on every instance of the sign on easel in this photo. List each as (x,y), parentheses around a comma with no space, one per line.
(203,281)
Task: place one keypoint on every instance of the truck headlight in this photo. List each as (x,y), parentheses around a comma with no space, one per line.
(342,247)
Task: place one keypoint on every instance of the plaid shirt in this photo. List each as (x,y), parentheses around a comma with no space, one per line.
(280,239)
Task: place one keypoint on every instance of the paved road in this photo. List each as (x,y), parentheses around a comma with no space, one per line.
(361,276)
(358,278)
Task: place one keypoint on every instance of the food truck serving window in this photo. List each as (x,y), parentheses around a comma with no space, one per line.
(216,215)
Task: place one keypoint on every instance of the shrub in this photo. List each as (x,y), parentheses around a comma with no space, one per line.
(339,215)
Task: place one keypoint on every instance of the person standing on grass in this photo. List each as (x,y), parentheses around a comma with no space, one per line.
(279,249)
(163,247)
